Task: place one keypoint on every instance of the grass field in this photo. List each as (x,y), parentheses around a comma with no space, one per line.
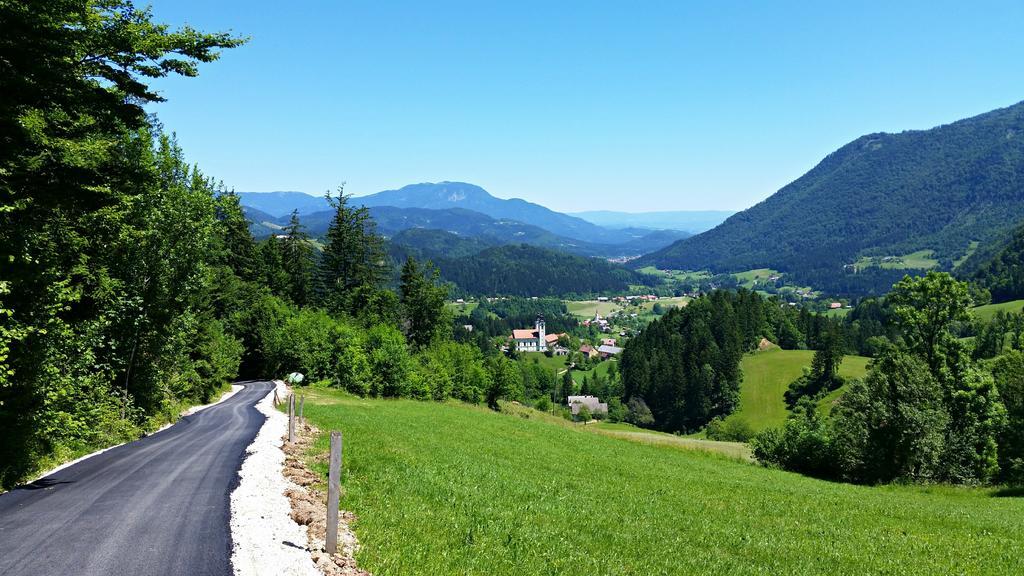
(766,376)
(587,308)
(552,363)
(600,369)
(465,308)
(748,278)
(920,260)
(972,247)
(988,311)
(453,489)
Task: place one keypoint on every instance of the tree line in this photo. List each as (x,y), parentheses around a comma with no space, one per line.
(929,410)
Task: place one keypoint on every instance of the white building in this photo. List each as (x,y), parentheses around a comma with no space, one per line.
(535,340)
(593,404)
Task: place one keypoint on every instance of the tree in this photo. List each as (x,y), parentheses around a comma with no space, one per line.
(96,275)
(297,259)
(924,309)
(583,414)
(638,413)
(423,303)
(389,361)
(504,379)
(353,256)
(1008,372)
(890,426)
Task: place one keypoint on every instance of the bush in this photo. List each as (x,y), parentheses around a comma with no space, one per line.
(616,410)
(802,445)
(389,361)
(729,430)
(352,365)
(638,413)
(543,404)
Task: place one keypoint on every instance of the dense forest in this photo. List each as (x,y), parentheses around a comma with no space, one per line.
(530,271)
(882,194)
(1003,273)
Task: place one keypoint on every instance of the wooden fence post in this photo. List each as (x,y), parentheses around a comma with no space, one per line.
(291,418)
(277,400)
(333,493)
(302,407)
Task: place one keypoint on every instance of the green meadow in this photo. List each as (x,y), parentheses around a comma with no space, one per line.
(920,260)
(988,311)
(767,375)
(587,308)
(457,489)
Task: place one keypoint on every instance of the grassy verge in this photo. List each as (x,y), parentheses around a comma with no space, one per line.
(454,489)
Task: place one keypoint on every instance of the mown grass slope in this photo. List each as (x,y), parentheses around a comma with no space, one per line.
(988,311)
(767,375)
(453,489)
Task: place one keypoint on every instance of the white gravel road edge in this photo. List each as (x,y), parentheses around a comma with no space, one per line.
(234,389)
(265,540)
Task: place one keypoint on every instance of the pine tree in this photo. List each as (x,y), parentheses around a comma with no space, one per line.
(297,257)
(423,309)
(353,259)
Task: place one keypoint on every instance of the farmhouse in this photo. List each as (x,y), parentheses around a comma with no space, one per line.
(609,351)
(588,351)
(593,404)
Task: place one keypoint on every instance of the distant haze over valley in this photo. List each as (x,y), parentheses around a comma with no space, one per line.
(692,221)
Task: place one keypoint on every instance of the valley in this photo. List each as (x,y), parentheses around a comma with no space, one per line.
(689,311)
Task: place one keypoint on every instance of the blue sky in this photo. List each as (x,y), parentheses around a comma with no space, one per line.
(577,105)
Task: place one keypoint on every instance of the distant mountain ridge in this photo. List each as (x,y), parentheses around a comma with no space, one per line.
(692,221)
(392,221)
(880,195)
(443,195)
(279,204)
(464,209)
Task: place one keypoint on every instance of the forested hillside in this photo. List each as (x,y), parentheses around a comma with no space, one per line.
(1002,273)
(880,195)
(531,271)
(427,244)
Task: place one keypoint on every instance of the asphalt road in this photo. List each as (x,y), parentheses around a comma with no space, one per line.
(156,506)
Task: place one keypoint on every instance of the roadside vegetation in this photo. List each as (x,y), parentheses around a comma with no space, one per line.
(454,489)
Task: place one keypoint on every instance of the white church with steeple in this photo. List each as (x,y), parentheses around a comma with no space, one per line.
(536,340)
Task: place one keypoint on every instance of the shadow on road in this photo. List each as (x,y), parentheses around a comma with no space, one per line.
(43,483)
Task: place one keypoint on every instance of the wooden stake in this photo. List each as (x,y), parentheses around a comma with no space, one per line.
(333,493)
(302,407)
(291,418)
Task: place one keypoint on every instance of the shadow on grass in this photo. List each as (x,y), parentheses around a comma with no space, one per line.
(1009,492)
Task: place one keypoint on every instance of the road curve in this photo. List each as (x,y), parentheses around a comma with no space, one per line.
(156,506)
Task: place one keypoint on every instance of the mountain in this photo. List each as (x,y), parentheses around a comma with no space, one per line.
(694,221)
(467,223)
(880,195)
(521,270)
(444,195)
(279,204)
(1002,273)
